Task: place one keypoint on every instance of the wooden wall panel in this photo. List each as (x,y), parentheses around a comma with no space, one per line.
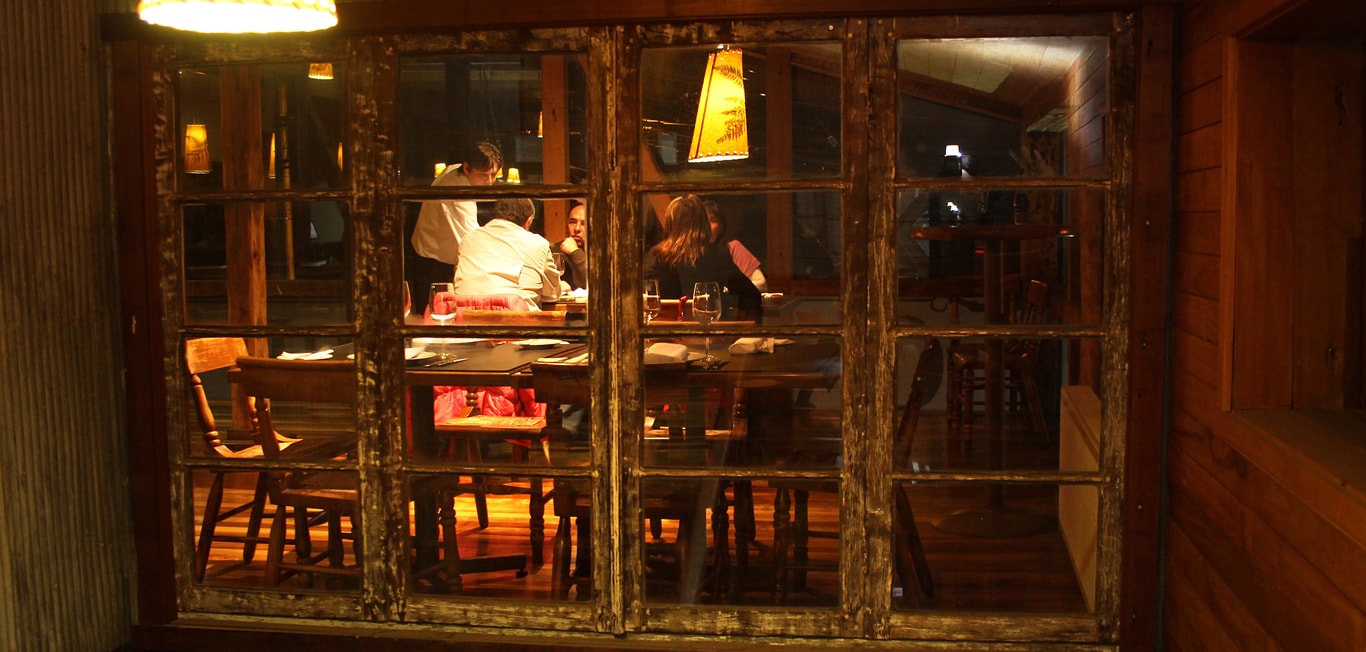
(1262,550)
(65,532)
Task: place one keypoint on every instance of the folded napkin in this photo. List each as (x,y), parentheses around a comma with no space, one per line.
(665,352)
(325,354)
(746,345)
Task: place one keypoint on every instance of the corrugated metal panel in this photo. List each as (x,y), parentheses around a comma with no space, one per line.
(65,531)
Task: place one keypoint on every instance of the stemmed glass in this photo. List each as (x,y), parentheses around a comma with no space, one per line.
(650,300)
(706,306)
(442,302)
(407,301)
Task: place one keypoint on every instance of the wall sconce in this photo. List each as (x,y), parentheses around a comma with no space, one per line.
(721,132)
(239,16)
(514,176)
(197,149)
(320,71)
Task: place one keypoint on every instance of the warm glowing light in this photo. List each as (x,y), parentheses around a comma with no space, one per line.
(540,124)
(238,16)
(514,176)
(320,70)
(721,132)
(951,150)
(438,169)
(339,157)
(197,149)
(270,162)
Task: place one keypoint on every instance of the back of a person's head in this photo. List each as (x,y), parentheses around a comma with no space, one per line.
(686,231)
(483,155)
(513,209)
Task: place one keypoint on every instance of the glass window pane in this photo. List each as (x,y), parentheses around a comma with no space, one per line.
(1017,107)
(777,255)
(775,110)
(504,268)
(706,539)
(268,126)
(533,107)
(267,263)
(762,402)
(1047,418)
(953,245)
(961,533)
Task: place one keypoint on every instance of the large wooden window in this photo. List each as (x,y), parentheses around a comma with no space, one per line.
(915,412)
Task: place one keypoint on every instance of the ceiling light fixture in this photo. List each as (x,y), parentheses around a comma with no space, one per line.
(239,16)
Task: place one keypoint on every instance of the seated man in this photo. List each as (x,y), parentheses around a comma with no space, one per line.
(505,257)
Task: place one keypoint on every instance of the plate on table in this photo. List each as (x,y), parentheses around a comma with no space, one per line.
(539,344)
(420,355)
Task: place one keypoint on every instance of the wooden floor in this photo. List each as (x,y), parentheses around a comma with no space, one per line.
(1026,573)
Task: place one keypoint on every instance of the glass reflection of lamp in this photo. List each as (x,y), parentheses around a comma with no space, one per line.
(721,132)
(514,175)
(320,70)
(239,16)
(197,149)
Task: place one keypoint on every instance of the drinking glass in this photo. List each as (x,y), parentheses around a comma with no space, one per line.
(651,300)
(407,301)
(706,306)
(442,302)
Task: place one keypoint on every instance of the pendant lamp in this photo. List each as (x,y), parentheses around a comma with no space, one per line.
(320,70)
(721,132)
(197,149)
(238,16)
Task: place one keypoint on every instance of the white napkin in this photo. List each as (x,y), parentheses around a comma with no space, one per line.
(747,345)
(665,352)
(324,354)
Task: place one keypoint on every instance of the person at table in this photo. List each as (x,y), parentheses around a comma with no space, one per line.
(575,275)
(687,255)
(739,253)
(505,257)
(443,224)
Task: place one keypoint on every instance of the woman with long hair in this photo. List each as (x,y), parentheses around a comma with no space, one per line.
(687,255)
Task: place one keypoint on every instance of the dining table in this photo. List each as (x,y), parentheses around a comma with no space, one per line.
(994,519)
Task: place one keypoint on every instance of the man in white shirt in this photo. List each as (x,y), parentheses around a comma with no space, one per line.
(443,224)
(505,257)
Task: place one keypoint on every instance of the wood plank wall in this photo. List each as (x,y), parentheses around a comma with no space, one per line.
(1263,548)
(65,532)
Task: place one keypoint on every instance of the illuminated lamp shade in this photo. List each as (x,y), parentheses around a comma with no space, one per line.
(320,70)
(239,16)
(197,149)
(514,175)
(721,132)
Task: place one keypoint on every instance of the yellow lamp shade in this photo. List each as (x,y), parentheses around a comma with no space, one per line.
(238,16)
(514,175)
(721,132)
(197,149)
(320,70)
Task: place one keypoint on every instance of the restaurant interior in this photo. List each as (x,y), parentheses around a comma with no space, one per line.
(840,328)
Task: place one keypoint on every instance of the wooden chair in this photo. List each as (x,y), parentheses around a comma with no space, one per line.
(558,383)
(328,496)
(967,366)
(212,354)
(791,534)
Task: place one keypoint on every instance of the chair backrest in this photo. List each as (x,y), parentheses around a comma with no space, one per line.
(306,381)
(1035,307)
(204,355)
(925,368)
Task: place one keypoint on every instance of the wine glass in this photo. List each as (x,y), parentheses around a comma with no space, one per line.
(407,301)
(651,300)
(442,302)
(706,306)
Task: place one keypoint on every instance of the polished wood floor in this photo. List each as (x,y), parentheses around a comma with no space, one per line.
(972,566)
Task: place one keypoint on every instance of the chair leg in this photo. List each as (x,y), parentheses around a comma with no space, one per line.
(258,509)
(909,545)
(559,574)
(207,526)
(275,549)
(801,528)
